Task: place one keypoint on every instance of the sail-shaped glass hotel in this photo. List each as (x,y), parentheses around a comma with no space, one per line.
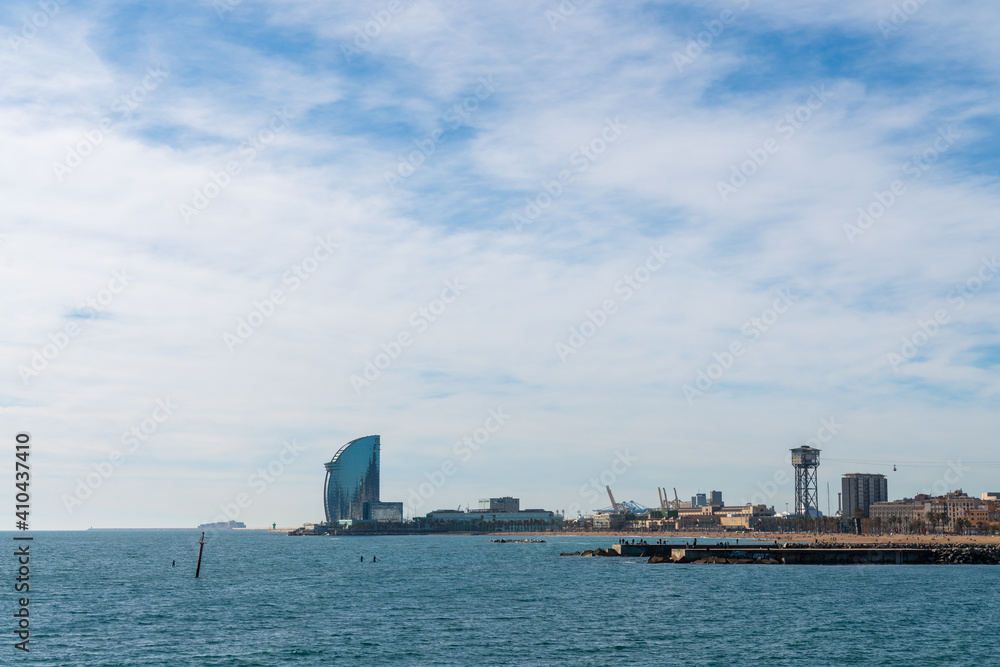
(352,479)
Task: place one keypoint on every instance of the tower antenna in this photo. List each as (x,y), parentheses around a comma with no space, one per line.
(805,460)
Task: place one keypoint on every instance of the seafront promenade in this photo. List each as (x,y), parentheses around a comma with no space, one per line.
(792,553)
(813,538)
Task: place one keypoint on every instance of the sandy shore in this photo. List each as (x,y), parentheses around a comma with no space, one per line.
(835,538)
(880,539)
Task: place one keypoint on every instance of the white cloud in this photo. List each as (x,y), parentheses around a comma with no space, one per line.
(496,344)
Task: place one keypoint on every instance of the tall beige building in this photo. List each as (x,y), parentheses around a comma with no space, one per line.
(940,511)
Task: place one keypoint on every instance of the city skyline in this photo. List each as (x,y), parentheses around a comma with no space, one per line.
(531,246)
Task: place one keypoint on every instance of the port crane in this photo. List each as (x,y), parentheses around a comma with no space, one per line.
(626,507)
(614,505)
(665,503)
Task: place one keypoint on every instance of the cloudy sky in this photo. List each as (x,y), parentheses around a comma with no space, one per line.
(537,247)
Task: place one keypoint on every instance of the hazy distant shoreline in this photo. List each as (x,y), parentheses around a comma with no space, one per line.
(841,538)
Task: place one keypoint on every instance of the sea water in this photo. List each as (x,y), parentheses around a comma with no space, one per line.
(115,598)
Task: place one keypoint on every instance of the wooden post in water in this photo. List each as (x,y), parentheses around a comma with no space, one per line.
(201,548)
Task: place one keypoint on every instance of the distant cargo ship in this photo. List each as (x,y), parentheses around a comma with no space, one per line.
(222,525)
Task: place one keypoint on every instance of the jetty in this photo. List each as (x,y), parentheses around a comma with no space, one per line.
(802,554)
(525,541)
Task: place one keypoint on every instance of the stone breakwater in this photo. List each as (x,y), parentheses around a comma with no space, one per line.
(803,554)
(967,555)
(503,541)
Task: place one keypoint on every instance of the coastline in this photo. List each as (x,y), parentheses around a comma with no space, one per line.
(828,538)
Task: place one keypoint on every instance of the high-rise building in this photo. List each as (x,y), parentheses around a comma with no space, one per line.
(860,490)
(352,479)
(716,499)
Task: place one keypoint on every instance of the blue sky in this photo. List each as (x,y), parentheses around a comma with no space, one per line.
(499,187)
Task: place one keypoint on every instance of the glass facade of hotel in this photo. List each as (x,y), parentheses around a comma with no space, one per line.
(352,479)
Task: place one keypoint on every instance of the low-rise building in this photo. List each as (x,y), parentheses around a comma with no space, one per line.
(609,521)
(977,515)
(531,519)
(504,504)
(899,512)
(731,517)
(936,513)
(383,512)
(744,516)
(957,505)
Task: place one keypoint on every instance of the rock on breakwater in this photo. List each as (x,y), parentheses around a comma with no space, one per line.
(804,554)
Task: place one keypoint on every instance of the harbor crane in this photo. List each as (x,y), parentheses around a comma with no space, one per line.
(665,503)
(614,505)
(626,507)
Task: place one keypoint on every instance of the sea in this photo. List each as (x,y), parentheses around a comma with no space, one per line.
(107,597)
